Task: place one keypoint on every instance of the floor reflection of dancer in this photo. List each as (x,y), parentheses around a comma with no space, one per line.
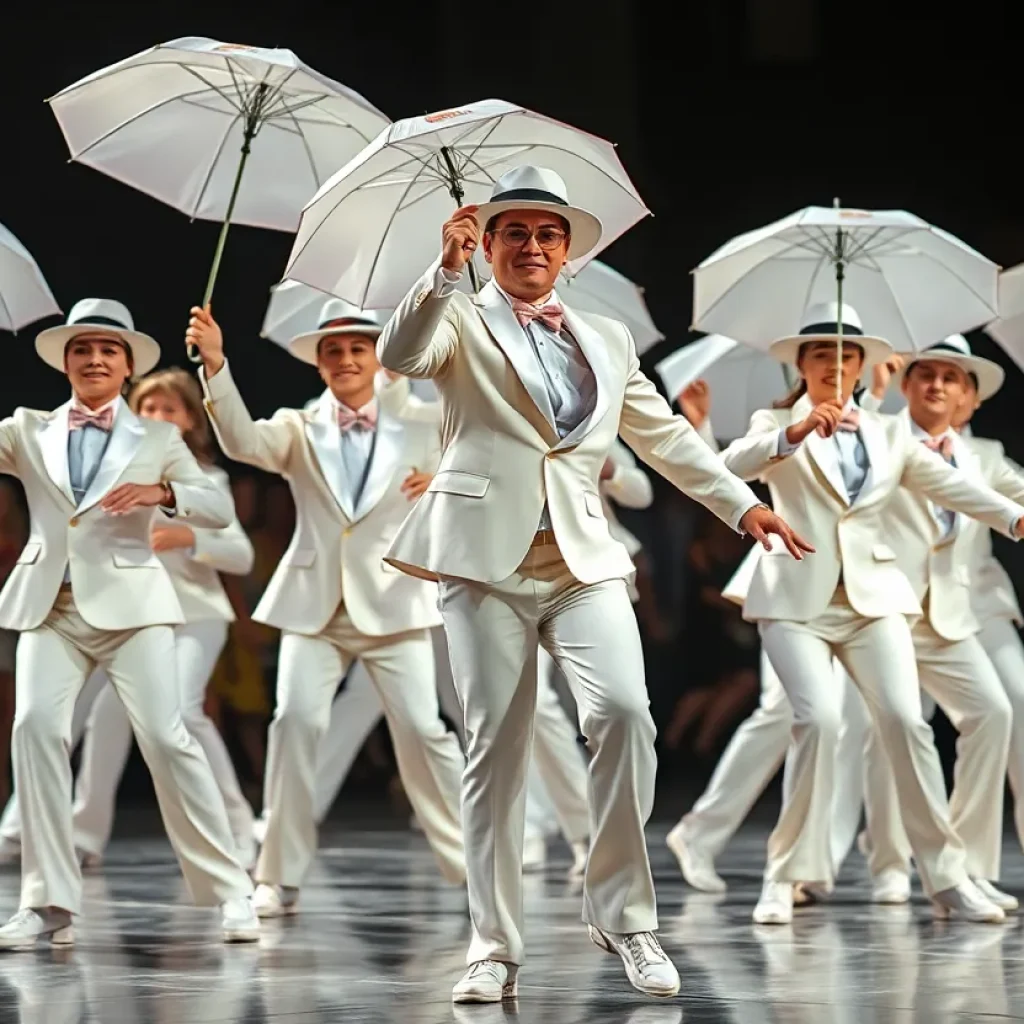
(89,591)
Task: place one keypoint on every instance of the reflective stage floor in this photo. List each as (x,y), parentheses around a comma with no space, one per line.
(381,939)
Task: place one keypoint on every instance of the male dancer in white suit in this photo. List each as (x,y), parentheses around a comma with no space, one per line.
(351,467)
(88,590)
(512,525)
(835,468)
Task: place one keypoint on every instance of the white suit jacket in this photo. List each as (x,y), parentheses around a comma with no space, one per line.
(807,490)
(337,552)
(991,592)
(117,580)
(503,457)
(196,573)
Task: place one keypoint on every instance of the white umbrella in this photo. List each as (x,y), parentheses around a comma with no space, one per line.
(1008,328)
(912,283)
(740,379)
(373,229)
(24,294)
(294,309)
(181,122)
(598,288)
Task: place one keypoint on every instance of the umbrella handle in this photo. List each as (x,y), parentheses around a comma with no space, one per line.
(252,124)
(839,331)
(456,191)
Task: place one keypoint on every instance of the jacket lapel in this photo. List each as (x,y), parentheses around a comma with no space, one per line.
(125,438)
(387,452)
(594,349)
(503,326)
(823,452)
(873,437)
(53,448)
(325,439)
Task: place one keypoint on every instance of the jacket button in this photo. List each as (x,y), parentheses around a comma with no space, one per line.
(345,533)
(73,521)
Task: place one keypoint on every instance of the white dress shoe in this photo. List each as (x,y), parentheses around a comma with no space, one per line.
(648,968)
(28,926)
(1003,900)
(10,851)
(697,866)
(580,853)
(535,854)
(891,886)
(259,829)
(966,902)
(487,981)
(238,920)
(775,905)
(275,901)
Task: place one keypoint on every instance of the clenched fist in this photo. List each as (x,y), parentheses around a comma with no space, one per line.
(459,238)
(204,332)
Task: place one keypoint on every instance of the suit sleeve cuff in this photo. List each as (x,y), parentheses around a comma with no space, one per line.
(445,282)
(783,446)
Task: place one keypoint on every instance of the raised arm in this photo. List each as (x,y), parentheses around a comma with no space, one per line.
(927,473)
(266,444)
(628,486)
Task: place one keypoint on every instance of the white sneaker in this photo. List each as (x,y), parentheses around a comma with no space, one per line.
(487,981)
(891,886)
(966,902)
(580,853)
(648,968)
(775,905)
(259,829)
(10,851)
(697,866)
(238,920)
(535,856)
(28,926)
(275,901)
(1003,900)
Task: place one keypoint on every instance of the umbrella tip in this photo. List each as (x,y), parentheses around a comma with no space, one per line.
(835,203)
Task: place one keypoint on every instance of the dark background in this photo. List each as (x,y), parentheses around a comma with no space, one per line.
(728,114)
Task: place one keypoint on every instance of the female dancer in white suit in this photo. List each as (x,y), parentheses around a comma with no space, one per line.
(352,467)
(89,591)
(193,557)
(832,469)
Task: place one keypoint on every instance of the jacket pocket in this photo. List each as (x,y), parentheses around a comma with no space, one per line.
(454,481)
(136,559)
(29,553)
(883,553)
(300,558)
(593,504)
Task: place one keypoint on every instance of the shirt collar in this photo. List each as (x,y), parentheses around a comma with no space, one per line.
(368,409)
(922,435)
(553,297)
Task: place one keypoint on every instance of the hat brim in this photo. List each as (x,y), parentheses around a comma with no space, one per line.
(585,229)
(990,375)
(304,346)
(51,343)
(787,350)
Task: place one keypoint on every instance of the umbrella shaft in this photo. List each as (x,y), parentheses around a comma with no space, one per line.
(839,320)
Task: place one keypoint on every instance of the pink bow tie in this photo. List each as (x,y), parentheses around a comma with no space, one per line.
(550,315)
(943,445)
(850,420)
(365,418)
(103,420)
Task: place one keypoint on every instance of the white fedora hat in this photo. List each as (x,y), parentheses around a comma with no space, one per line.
(338,317)
(956,349)
(821,322)
(99,316)
(537,188)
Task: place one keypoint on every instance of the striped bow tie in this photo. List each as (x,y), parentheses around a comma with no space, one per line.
(550,315)
(102,420)
(365,418)
(943,445)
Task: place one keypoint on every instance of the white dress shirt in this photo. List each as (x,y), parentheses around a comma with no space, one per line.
(568,378)
(945,517)
(356,446)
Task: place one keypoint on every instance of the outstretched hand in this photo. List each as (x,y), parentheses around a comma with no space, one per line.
(760,522)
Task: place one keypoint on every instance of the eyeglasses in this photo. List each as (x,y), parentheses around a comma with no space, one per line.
(517,237)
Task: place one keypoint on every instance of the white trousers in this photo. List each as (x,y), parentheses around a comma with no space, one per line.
(755,753)
(590,631)
(879,656)
(402,669)
(558,769)
(108,738)
(53,664)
